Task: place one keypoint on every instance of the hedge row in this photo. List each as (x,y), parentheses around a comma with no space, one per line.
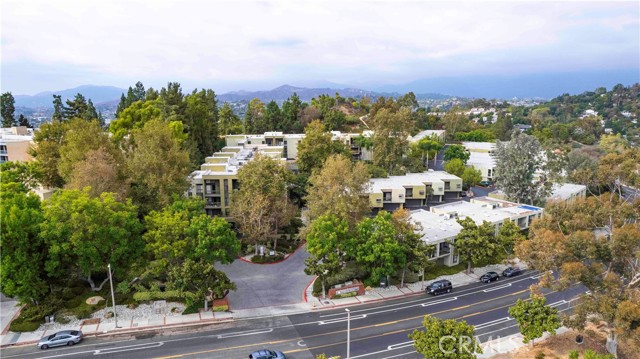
(267,259)
(171,295)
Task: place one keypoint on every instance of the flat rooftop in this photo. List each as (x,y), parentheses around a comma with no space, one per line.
(483,159)
(410,179)
(483,146)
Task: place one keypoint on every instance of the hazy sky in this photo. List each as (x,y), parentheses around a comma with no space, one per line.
(53,45)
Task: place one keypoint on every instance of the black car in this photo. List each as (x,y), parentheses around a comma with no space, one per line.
(439,287)
(511,271)
(489,277)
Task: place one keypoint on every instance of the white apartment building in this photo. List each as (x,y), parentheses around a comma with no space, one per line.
(15,143)
(440,228)
(480,157)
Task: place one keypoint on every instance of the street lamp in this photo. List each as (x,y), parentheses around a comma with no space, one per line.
(348,332)
(113,297)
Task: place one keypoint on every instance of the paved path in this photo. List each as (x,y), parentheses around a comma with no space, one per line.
(8,308)
(267,285)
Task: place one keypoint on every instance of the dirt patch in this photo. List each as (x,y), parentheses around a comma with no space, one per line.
(91,321)
(559,346)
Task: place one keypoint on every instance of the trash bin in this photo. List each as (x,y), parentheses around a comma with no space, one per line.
(383,283)
(579,339)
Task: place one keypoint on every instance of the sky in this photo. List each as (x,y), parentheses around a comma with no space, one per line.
(257,45)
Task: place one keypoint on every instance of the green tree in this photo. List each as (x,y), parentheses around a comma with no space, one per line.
(157,165)
(471,176)
(23,121)
(291,112)
(27,174)
(327,237)
(58,108)
(261,206)
(508,235)
(253,116)
(8,109)
(85,234)
(272,120)
(340,188)
(22,258)
(534,317)
(516,163)
(375,246)
(427,148)
(455,166)
(230,123)
(613,143)
(456,151)
(455,120)
(445,339)
(134,116)
(199,277)
(475,243)
(201,124)
(172,101)
(416,251)
(48,140)
(391,130)
(76,108)
(316,147)
(101,172)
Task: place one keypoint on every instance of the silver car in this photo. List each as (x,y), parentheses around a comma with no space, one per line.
(65,337)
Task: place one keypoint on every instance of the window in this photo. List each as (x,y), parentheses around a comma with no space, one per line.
(409,192)
(447,186)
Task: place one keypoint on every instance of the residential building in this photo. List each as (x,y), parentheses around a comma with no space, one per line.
(438,225)
(413,190)
(15,143)
(218,176)
(480,157)
(439,134)
(565,192)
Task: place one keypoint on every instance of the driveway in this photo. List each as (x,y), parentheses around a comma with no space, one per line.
(266,285)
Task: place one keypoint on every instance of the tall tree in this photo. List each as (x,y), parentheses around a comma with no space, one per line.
(48,140)
(23,121)
(201,124)
(416,251)
(455,120)
(253,117)
(58,108)
(534,317)
(75,108)
(86,234)
(475,243)
(8,109)
(339,188)
(516,163)
(427,148)
(172,101)
(27,174)
(261,206)
(22,258)
(135,116)
(471,176)
(291,112)
(101,171)
(230,123)
(272,118)
(455,166)
(316,147)
(157,165)
(442,339)
(456,151)
(391,130)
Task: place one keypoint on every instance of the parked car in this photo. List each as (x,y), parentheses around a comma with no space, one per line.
(266,354)
(485,183)
(439,287)
(65,337)
(489,277)
(511,271)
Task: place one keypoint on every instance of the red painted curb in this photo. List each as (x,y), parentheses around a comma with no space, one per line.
(280,261)
(304,294)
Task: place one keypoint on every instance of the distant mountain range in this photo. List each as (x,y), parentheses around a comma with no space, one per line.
(109,95)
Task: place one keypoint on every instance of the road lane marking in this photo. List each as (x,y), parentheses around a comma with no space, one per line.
(400,345)
(497,288)
(332,321)
(435,302)
(492,323)
(128,348)
(241,334)
(558,303)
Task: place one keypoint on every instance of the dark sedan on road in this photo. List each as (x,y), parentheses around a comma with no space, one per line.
(511,271)
(439,287)
(65,337)
(489,277)
(266,354)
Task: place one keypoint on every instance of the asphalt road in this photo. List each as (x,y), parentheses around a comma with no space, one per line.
(377,330)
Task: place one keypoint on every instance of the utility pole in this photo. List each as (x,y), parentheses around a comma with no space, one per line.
(113,297)
(348,333)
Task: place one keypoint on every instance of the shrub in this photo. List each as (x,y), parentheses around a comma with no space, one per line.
(83,311)
(220,308)
(267,259)
(345,295)
(191,309)
(349,272)
(574,354)
(540,355)
(171,295)
(123,288)
(62,319)
(24,326)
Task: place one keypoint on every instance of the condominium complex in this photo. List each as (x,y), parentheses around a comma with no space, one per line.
(413,190)
(481,158)
(562,192)
(15,143)
(438,225)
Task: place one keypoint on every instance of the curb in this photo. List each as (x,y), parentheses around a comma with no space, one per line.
(15,316)
(276,262)
(367,302)
(140,330)
(304,293)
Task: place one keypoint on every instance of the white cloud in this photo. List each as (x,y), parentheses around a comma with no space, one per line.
(354,41)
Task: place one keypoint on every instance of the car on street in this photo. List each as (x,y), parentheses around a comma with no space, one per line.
(266,354)
(65,337)
(489,277)
(511,271)
(485,183)
(439,287)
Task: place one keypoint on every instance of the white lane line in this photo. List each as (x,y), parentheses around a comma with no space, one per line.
(558,303)
(128,348)
(497,330)
(332,321)
(438,301)
(400,345)
(497,288)
(493,322)
(248,332)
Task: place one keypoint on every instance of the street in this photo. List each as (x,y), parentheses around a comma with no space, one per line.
(377,330)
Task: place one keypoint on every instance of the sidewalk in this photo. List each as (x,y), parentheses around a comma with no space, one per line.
(393,292)
(510,343)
